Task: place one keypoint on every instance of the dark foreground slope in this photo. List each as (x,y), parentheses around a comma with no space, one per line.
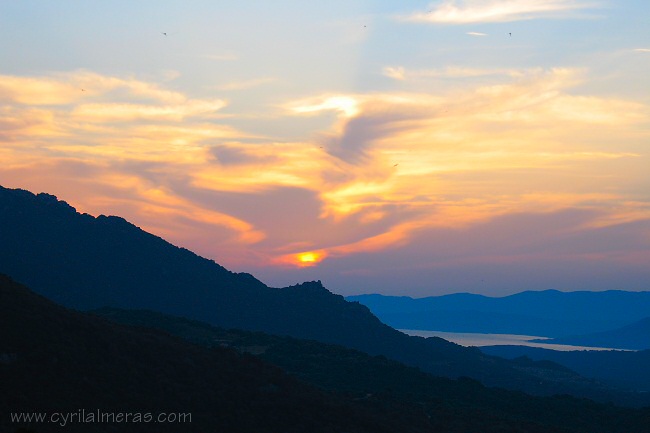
(57,360)
(85,262)
(622,369)
(464,404)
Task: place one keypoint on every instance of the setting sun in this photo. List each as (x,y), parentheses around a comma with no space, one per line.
(309,258)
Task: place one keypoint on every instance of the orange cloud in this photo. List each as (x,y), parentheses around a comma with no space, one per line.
(73,87)
(424,152)
(390,167)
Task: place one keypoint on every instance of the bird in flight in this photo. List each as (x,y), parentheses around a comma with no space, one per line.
(510,34)
(164,33)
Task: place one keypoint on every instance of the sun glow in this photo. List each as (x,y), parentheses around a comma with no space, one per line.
(309,258)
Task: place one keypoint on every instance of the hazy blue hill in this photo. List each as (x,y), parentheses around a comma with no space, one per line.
(635,336)
(546,313)
(473,321)
(54,359)
(626,370)
(86,262)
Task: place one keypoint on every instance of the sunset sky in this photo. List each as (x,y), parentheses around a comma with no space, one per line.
(420,148)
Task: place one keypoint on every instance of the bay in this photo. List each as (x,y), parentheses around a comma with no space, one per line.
(478,340)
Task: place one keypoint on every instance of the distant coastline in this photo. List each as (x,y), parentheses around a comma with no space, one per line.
(478,340)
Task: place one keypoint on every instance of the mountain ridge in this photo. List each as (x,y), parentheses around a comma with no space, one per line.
(85,262)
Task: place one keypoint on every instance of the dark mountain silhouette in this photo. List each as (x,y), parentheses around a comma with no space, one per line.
(623,369)
(340,369)
(548,313)
(85,262)
(56,360)
(635,336)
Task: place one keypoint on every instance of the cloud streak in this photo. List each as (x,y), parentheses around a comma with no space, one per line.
(401,73)
(492,11)
(132,112)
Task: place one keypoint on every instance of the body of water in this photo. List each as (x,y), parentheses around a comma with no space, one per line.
(478,340)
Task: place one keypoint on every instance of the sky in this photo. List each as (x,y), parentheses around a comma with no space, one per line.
(409,148)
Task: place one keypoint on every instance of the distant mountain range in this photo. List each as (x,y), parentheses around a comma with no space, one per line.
(635,336)
(548,313)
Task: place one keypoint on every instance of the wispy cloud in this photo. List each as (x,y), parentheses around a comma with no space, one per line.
(476,34)
(394,72)
(642,50)
(485,11)
(72,87)
(401,73)
(131,112)
(346,105)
